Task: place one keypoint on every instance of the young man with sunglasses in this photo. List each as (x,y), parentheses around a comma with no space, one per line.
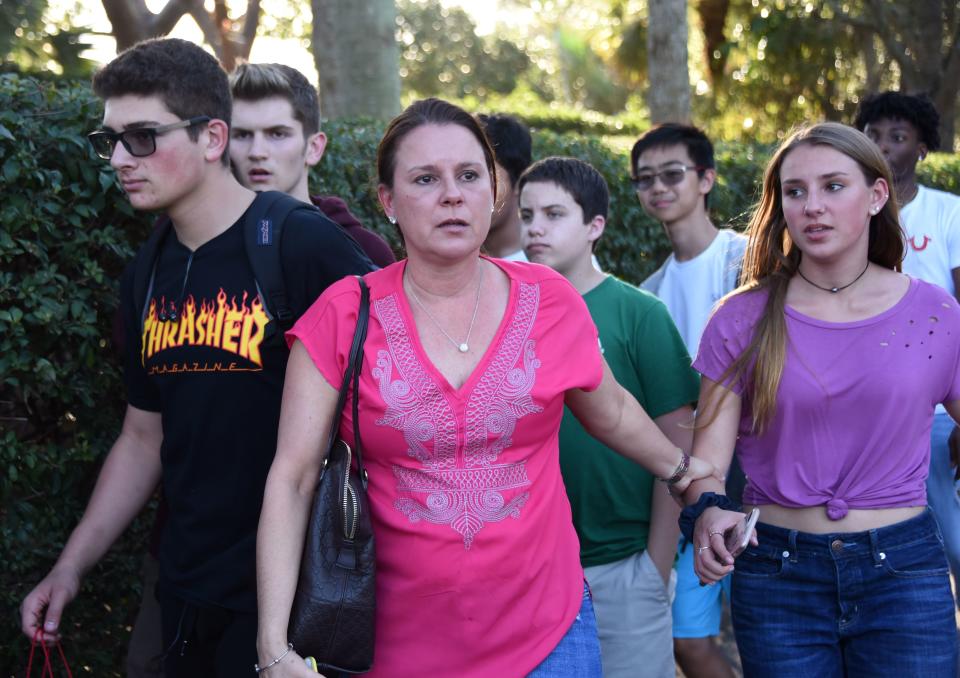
(204,361)
(673,171)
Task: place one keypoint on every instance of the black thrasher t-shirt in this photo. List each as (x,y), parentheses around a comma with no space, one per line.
(215,373)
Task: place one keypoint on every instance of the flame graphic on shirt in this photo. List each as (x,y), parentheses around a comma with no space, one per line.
(229,326)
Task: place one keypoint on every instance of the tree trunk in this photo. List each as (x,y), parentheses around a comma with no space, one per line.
(668,96)
(713,18)
(922,38)
(357,57)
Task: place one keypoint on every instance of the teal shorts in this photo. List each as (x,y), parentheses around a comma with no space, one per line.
(696,609)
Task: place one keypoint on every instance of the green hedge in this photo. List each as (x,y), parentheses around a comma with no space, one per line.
(66,232)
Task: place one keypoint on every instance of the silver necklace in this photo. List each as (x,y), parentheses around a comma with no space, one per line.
(465,345)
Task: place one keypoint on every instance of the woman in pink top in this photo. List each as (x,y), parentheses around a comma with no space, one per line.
(824,368)
(469,362)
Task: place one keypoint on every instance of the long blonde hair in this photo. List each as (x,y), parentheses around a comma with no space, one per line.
(772,259)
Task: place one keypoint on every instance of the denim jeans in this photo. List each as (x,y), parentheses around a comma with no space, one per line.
(844,605)
(577,655)
(942,491)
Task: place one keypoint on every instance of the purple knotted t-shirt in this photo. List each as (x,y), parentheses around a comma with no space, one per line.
(855,402)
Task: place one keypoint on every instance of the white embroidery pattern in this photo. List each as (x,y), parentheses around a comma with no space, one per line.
(464,491)
(502,396)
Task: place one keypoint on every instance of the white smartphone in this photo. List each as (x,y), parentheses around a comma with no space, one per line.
(737,538)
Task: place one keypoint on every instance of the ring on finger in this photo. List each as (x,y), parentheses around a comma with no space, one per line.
(714,533)
(701,549)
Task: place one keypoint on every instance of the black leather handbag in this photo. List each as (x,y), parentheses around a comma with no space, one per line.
(333,613)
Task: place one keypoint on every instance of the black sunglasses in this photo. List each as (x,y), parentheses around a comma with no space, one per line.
(140,141)
(671,176)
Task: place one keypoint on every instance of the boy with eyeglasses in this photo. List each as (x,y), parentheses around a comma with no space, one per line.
(204,362)
(673,171)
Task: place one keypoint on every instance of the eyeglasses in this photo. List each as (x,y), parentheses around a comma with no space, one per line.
(671,176)
(140,141)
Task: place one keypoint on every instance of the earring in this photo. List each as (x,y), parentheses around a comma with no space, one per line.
(392,219)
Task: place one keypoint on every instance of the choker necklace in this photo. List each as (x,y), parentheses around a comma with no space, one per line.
(465,345)
(834,290)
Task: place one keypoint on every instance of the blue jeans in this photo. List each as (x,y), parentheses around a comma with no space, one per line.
(942,490)
(844,605)
(577,655)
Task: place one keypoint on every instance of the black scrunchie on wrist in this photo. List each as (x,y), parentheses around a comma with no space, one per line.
(689,515)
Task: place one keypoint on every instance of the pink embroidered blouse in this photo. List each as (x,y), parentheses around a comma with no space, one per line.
(478,562)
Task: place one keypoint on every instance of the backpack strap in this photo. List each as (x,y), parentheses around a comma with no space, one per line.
(262,234)
(145,267)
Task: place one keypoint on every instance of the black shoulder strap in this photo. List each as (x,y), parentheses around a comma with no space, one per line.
(145,266)
(262,233)
(351,377)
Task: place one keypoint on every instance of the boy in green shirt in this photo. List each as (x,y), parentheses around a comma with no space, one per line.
(626,522)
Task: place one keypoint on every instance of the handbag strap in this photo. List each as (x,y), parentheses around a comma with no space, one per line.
(352,376)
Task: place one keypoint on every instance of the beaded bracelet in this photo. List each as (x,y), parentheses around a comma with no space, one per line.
(680,471)
(260,669)
(689,515)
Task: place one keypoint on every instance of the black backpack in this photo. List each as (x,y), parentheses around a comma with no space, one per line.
(262,233)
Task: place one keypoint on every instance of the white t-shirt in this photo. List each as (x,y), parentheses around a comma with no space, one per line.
(931,222)
(690,289)
(519,255)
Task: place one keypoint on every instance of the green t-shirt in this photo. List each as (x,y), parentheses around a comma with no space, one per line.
(610,495)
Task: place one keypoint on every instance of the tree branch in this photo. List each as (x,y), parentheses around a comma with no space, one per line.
(951,62)
(207,27)
(164,21)
(126,19)
(249,31)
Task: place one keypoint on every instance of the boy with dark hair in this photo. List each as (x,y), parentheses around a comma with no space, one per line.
(627,524)
(204,359)
(672,168)
(513,146)
(275,139)
(906,128)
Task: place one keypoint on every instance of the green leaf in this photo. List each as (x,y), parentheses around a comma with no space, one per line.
(11,169)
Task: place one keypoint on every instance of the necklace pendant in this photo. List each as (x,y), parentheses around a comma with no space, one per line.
(463,348)
(834,290)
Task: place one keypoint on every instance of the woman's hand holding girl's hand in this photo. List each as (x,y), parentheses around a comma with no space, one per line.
(712,561)
(698,470)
